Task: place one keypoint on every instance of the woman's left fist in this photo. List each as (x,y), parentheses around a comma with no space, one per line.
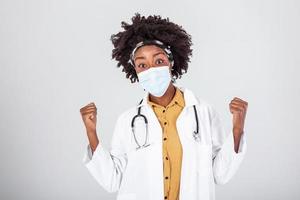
(238,108)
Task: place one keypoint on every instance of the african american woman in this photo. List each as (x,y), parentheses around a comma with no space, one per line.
(171,144)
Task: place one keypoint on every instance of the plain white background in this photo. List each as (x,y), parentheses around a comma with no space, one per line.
(55,57)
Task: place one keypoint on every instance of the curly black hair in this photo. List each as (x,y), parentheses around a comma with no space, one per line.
(152,27)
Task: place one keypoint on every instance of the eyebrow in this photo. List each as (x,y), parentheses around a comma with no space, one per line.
(142,57)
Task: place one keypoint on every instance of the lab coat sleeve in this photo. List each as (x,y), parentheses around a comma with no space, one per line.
(225,160)
(106,166)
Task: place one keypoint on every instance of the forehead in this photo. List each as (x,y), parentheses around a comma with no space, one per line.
(148,49)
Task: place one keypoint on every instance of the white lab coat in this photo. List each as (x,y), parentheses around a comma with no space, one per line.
(138,174)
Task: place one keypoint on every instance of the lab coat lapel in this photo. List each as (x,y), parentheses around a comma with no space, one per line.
(183,127)
(155,139)
(155,136)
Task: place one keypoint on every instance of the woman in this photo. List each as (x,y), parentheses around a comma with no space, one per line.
(171,145)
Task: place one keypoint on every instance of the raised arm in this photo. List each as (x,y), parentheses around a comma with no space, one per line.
(228,149)
(106,166)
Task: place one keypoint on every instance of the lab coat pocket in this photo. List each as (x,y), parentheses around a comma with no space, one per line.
(127,196)
(204,161)
(202,153)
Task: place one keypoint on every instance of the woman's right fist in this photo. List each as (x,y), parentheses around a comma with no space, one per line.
(89,117)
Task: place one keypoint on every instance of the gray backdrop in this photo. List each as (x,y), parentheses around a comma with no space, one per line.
(55,57)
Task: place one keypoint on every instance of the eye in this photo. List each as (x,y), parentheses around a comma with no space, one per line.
(157,61)
(141,65)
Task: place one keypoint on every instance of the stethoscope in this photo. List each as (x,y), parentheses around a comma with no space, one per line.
(146,144)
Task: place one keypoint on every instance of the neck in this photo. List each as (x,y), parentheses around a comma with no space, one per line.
(166,98)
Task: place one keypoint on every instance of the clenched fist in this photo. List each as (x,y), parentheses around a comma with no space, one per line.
(89,117)
(238,108)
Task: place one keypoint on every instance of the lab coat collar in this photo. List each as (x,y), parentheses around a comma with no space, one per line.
(189,97)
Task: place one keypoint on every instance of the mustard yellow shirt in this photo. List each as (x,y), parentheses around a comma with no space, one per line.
(172,149)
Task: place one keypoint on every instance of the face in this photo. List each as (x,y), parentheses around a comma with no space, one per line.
(150,56)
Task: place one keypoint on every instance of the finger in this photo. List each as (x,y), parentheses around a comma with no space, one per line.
(88,105)
(242,105)
(91,112)
(88,112)
(237,107)
(239,100)
(236,102)
(88,109)
(235,110)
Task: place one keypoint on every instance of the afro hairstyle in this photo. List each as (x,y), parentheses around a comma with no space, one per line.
(151,28)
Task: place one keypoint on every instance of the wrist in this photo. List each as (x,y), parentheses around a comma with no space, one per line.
(92,136)
(91,132)
(237,132)
(94,145)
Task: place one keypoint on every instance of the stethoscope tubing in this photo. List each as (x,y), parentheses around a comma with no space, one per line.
(195,133)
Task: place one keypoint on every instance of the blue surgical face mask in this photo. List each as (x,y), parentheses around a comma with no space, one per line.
(155,80)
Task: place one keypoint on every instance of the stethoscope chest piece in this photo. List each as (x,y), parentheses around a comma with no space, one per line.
(143,146)
(196,136)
